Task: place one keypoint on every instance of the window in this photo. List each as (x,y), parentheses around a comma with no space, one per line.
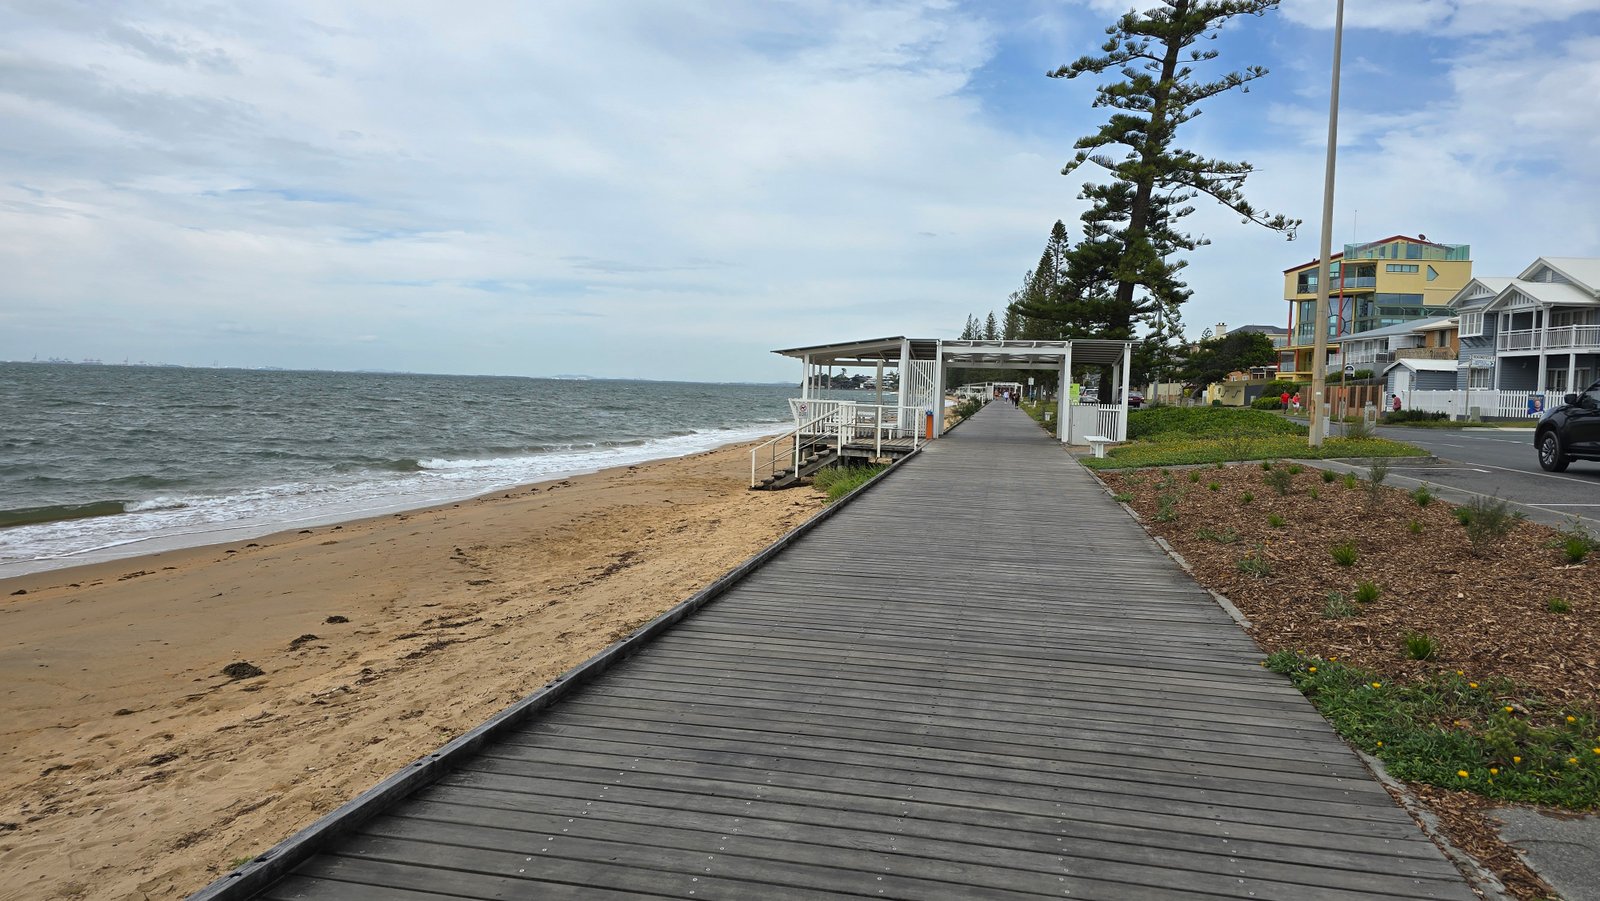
(1413,251)
(1556,380)
(1405,267)
(1471,325)
(1432,272)
(1480,378)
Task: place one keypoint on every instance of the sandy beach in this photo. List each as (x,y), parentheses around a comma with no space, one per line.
(134,768)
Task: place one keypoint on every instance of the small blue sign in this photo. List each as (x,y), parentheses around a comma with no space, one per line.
(1536,405)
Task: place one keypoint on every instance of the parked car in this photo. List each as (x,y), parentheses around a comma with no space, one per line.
(1570,431)
(1135,398)
(1089,396)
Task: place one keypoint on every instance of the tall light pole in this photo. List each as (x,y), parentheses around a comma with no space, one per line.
(1319,344)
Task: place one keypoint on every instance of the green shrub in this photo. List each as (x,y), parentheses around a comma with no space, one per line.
(1275,521)
(1414,527)
(1214,486)
(1420,646)
(1345,553)
(1266,465)
(1295,469)
(1194,475)
(1367,592)
(1338,606)
(1224,536)
(1166,508)
(1490,521)
(1463,515)
(1313,493)
(839,481)
(1246,498)
(1279,387)
(1575,549)
(1361,374)
(1399,416)
(1266,403)
(1328,477)
(1122,497)
(1350,480)
(1559,605)
(1279,480)
(1422,496)
(1256,563)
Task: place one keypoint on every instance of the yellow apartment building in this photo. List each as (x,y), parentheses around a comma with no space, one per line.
(1373,285)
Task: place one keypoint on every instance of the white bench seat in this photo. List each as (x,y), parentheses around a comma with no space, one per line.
(1097,443)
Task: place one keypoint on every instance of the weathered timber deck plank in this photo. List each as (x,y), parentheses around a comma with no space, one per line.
(905,703)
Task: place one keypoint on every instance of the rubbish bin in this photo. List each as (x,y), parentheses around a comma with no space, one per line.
(928,430)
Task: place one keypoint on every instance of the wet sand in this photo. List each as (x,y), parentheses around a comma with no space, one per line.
(132,767)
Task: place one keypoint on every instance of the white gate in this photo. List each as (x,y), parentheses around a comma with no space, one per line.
(919,392)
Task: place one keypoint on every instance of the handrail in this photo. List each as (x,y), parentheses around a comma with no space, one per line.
(795,434)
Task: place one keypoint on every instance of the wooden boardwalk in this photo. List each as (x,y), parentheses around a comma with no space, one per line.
(980,680)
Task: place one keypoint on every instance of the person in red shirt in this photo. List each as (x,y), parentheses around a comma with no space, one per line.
(1285,399)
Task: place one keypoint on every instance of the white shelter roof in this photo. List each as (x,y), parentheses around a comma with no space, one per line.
(1015,354)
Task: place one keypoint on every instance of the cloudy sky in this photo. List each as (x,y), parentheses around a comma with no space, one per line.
(672,189)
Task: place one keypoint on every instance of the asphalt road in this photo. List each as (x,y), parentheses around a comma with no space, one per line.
(1499,463)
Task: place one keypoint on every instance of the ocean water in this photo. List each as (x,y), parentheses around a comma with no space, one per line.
(102,462)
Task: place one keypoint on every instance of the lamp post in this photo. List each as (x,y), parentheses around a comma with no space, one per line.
(1319,344)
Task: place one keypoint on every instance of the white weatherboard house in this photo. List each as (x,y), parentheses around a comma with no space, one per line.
(828,428)
(1544,325)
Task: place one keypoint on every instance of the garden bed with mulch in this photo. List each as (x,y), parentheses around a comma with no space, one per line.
(1490,615)
(1342,577)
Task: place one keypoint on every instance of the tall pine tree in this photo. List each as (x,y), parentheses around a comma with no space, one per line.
(1121,273)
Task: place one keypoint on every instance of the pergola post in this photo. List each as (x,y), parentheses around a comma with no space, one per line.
(1127,374)
(938,388)
(1063,396)
(907,415)
(805,381)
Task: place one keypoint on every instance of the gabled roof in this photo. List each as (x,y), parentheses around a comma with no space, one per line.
(1583,271)
(1417,365)
(1553,294)
(1261,329)
(1491,284)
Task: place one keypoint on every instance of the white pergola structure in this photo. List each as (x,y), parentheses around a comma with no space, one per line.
(922,363)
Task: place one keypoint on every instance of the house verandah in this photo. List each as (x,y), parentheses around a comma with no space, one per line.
(1545,325)
(827,427)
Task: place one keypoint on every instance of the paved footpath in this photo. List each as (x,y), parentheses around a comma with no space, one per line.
(979,680)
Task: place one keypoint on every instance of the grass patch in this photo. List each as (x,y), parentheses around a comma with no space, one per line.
(1186,423)
(1328,477)
(1492,739)
(1190,451)
(1559,605)
(1344,554)
(1367,592)
(1276,521)
(839,481)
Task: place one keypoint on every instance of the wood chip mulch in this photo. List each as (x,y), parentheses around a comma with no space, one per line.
(1490,615)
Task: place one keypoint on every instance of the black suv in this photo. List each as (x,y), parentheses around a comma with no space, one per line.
(1571,431)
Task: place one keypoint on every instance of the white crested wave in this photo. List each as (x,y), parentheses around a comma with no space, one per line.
(169,522)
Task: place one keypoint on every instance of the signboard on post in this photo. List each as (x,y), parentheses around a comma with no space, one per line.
(1349,370)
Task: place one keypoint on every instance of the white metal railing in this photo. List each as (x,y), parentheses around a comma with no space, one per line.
(1562,336)
(831,425)
(793,446)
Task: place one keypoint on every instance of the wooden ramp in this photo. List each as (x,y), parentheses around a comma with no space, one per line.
(980,680)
